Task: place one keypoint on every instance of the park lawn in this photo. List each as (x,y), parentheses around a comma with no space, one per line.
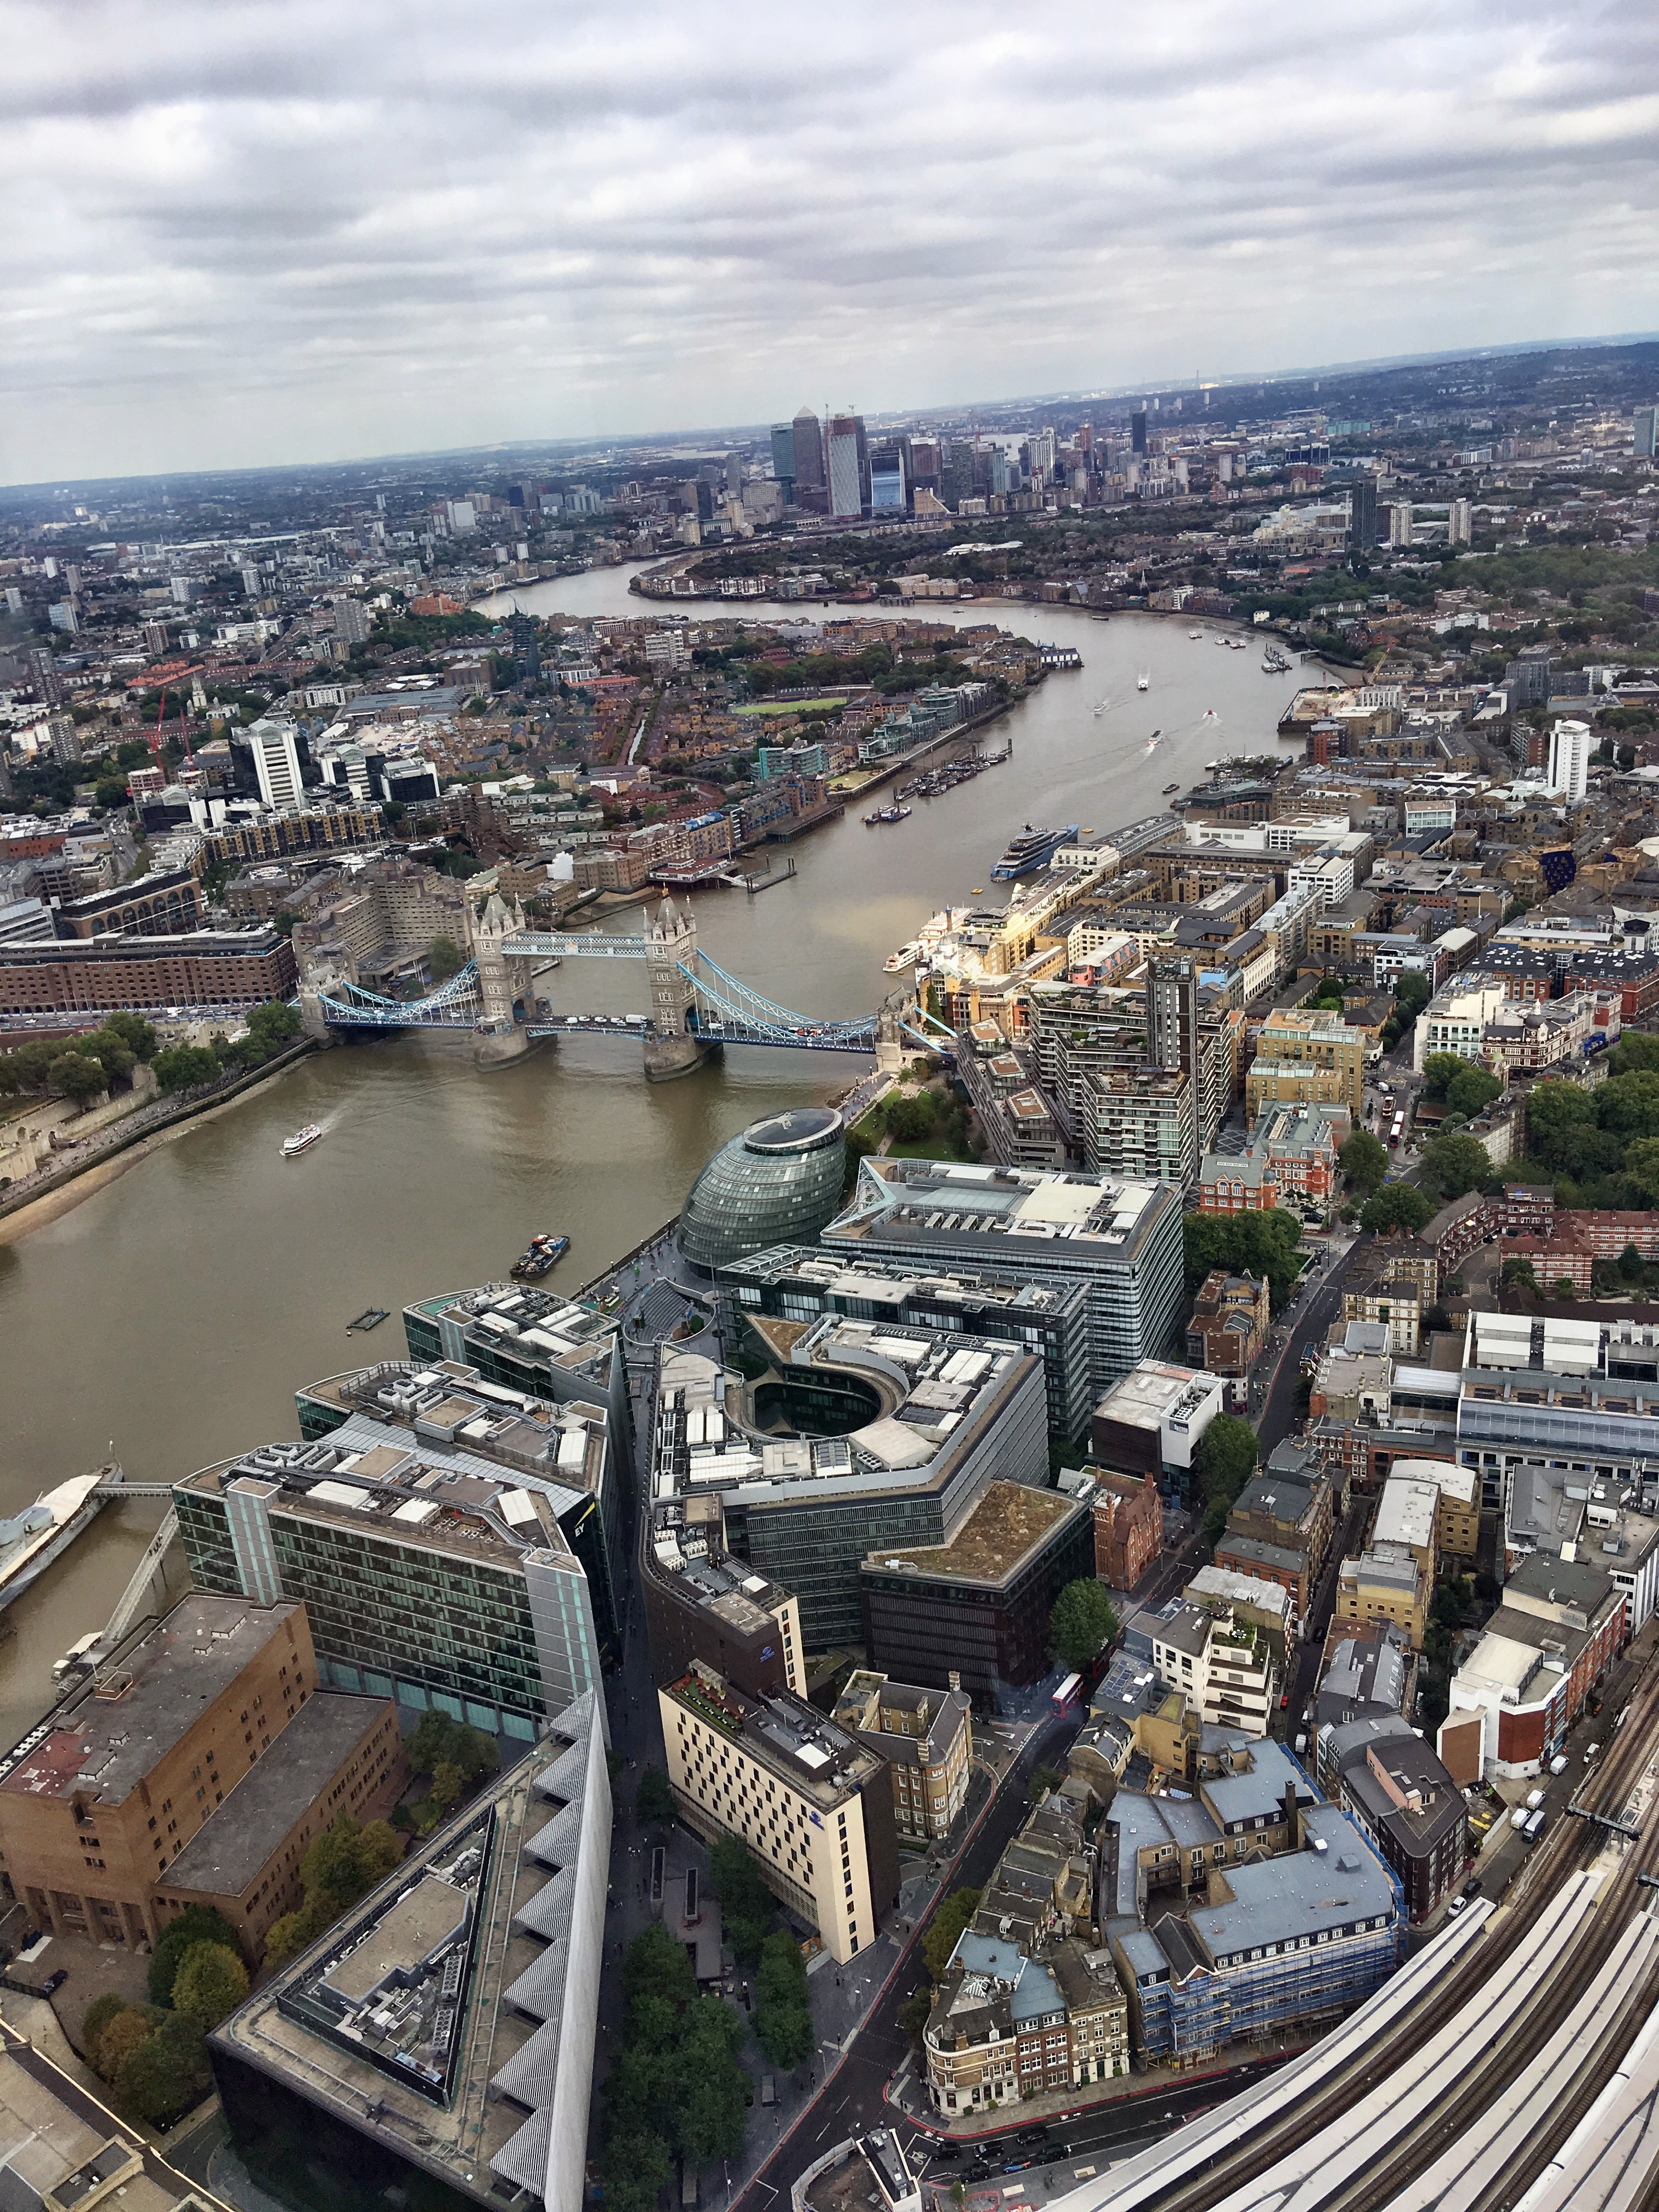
(787,706)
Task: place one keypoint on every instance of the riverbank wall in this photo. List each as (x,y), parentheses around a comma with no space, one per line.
(33,1206)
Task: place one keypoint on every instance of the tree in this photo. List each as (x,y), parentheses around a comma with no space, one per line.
(1396,1205)
(909,1120)
(653,1801)
(185,1067)
(713,2090)
(1225,1458)
(913,2013)
(1439,1071)
(1411,994)
(129,2026)
(167,2074)
(945,1929)
(197,1923)
(747,1905)
(347,1859)
(96,2018)
(1362,1160)
(637,2165)
(1627,1106)
(1641,1168)
(1471,1088)
(445,958)
(783,2013)
(1454,1162)
(1559,1117)
(1565,1287)
(1261,1243)
(1635,1050)
(77,1077)
(448,1785)
(1045,1780)
(1081,1623)
(440,1740)
(211,1982)
(655,1965)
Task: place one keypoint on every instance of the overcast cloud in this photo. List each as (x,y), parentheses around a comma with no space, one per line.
(241,232)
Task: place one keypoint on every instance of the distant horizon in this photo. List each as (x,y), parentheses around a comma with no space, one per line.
(240,235)
(713,434)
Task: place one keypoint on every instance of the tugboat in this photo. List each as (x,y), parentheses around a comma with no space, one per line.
(1169,787)
(302,1140)
(886,814)
(544,1254)
(1144,680)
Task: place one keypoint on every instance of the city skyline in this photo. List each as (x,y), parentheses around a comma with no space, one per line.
(251,256)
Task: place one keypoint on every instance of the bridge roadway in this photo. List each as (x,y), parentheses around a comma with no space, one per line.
(1461,2081)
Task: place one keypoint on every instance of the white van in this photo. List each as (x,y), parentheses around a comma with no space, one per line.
(1534,1799)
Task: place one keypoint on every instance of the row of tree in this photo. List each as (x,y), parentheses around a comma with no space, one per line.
(189,1067)
(154,2055)
(81,1068)
(675,2088)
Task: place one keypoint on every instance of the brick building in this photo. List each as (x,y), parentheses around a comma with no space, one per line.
(1128,1527)
(147,975)
(95,1807)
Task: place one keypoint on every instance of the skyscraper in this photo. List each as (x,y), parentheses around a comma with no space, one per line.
(1172,1011)
(1138,430)
(1362,514)
(844,451)
(808,439)
(886,481)
(276,765)
(1400,523)
(1460,522)
(1644,433)
(783,458)
(1569,769)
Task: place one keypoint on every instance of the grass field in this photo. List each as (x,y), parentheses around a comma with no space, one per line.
(786,706)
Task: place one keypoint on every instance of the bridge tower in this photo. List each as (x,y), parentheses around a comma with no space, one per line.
(488,929)
(673,1046)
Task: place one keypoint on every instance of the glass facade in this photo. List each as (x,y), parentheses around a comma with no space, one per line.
(778,1183)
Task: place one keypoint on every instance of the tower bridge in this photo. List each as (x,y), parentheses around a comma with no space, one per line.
(697,1008)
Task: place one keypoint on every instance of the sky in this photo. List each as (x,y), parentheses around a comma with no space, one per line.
(249,232)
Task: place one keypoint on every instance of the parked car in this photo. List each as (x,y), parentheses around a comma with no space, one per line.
(976,2170)
(946,2152)
(1458,1904)
(1033,2136)
(1518,1818)
(1472,1888)
(54,1981)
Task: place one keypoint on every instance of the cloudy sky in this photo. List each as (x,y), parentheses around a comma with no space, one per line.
(250,231)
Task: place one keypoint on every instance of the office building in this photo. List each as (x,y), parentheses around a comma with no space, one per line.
(1307,1059)
(1568,773)
(887,482)
(98,1803)
(1121,1237)
(552,1352)
(977,1607)
(852,1434)
(276,764)
(1151,1420)
(783,459)
(431,1573)
(1362,514)
(927,1738)
(1224,1667)
(339,1756)
(439,2040)
(206,970)
(807,437)
(793,1282)
(1644,433)
(812,1803)
(1138,430)
(1402,1799)
(846,467)
(779,1182)
(1128,1527)
(1286,1942)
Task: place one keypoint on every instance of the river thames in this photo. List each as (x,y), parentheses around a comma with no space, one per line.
(171,1316)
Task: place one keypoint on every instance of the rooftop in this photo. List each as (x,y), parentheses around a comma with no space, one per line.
(57,2140)
(476,1949)
(110,1734)
(1080,1219)
(792,1738)
(1005,1528)
(224,1857)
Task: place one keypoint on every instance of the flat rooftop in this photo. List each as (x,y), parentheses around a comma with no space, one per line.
(58,2140)
(1008,1524)
(815,1757)
(106,1739)
(1078,1218)
(224,1857)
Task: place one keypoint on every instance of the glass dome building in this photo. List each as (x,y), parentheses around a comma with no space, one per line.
(778,1183)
